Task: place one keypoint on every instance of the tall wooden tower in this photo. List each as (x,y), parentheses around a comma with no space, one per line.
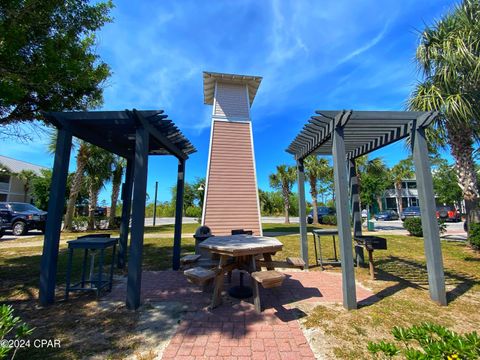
(231,191)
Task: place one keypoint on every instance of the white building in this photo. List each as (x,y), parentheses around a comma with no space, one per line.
(11,187)
(409,195)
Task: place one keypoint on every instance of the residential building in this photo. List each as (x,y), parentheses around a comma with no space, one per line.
(11,187)
(409,194)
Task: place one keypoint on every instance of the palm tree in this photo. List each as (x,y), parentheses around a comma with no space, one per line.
(118,167)
(98,169)
(449,58)
(374,181)
(375,168)
(283,180)
(26,176)
(83,154)
(401,171)
(316,168)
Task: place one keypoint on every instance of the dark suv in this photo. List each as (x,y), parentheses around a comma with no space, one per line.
(22,217)
(322,211)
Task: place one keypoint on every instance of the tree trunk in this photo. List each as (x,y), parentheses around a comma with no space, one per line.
(398,192)
(25,195)
(74,191)
(313,193)
(380,203)
(113,203)
(461,145)
(93,194)
(286,203)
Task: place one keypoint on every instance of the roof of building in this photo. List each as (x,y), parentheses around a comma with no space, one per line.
(209,79)
(16,166)
(115,130)
(364,131)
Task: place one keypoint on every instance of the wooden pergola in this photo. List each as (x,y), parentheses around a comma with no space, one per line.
(133,135)
(347,135)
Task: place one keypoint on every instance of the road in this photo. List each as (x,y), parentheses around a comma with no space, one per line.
(454,230)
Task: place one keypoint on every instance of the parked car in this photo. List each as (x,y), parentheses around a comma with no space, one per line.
(387,215)
(100,211)
(3,227)
(364,213)
(448,213)
(22,217)
(322,211)
(411,211)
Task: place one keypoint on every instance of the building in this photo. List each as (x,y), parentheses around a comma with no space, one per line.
(409,195)
(11,187)
(231,190)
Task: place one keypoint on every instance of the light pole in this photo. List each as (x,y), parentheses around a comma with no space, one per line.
(155,203)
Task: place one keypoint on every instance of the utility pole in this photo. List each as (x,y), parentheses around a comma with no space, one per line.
(155,204)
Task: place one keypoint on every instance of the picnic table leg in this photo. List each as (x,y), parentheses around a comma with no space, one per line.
(69,270)
(256,293)
(371,266)
(268,259)
(219,279)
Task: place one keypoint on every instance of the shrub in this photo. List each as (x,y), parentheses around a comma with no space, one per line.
(414,226)
(474,235)
(329,219)
(428,341)
(193,211)
(79,223)
(11,328)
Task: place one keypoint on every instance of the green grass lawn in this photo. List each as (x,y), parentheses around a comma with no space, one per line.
(401,287)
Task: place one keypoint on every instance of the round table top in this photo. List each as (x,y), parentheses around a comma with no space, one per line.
(240,245)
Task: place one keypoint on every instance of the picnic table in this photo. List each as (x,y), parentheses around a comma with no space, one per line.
(244,249)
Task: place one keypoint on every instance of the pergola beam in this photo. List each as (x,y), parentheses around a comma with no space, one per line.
(302,211)
(431,235)
(127,189)
(177,237)
(343,220)
(48,266)
(160,137)
(135,258)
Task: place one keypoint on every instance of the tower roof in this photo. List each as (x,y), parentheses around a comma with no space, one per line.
(209,79)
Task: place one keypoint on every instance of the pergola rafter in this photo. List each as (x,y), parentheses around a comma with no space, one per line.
(347,135)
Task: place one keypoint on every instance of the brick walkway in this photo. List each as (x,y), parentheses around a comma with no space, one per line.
(234,330)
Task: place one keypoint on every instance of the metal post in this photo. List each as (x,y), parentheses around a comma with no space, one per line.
(126,209)
(343,219)
(177,237)
(48,267)
(134,282)
(302,211)
(155,204)
(355,206)
(433,250)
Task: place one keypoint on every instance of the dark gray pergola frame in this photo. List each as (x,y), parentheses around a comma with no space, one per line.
(133,135)
(347,135)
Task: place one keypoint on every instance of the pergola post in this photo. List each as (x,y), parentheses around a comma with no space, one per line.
(126,209)
(431,235)
(343,219)
(302,211)
(48,267)
(138,219)
(177,237)
(355,207)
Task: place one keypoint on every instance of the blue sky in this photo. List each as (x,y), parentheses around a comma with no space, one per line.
(330,54)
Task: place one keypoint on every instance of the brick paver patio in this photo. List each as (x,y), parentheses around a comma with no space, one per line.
(234,330)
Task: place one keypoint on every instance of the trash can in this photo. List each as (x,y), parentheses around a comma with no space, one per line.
(370,224)
(202,233)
